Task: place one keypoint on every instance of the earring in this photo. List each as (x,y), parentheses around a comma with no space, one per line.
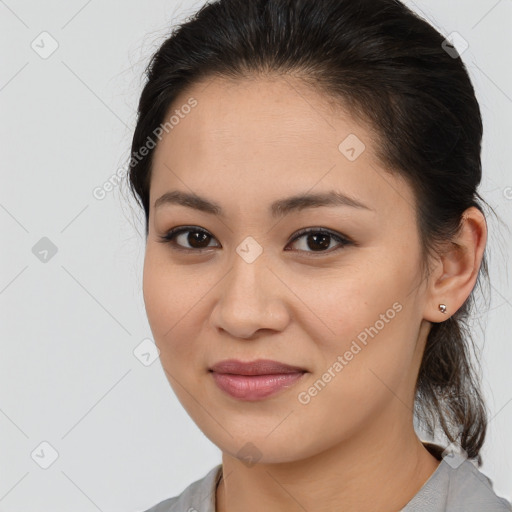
(442,308)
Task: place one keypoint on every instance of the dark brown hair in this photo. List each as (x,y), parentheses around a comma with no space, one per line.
(389,68)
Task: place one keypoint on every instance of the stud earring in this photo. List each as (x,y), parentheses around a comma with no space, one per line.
(442,308)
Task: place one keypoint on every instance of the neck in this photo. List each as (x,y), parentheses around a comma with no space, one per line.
(379,469)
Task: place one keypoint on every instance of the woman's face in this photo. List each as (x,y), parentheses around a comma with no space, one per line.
(351,314)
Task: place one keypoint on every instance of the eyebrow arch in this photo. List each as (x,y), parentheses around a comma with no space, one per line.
(279,208)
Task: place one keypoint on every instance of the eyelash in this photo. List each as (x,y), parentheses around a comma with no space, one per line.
(169,238)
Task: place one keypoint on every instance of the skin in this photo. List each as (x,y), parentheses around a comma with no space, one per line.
(246,144)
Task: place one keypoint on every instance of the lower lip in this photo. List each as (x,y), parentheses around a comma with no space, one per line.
(254,387)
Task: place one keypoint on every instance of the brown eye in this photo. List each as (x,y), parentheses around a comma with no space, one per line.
(319,240)
(197,239)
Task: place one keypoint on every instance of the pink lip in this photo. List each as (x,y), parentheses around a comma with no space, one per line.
(254,380)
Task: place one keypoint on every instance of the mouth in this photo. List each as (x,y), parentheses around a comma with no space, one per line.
(256,367)
(254,380)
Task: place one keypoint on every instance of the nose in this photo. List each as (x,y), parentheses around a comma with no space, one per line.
(250,300)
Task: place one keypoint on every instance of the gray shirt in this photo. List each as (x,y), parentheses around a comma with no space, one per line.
(454,486)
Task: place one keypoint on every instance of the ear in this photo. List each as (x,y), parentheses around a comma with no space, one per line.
(455,272)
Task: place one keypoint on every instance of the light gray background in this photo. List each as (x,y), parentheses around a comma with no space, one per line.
(70,325)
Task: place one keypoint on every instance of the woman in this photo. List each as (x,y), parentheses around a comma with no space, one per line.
(309,172)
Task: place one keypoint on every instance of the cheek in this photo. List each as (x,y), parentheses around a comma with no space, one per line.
(350,302)
(364,316)
(169,299)
(365,364)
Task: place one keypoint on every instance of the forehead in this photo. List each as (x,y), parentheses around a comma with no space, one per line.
(259,138)
(272,114)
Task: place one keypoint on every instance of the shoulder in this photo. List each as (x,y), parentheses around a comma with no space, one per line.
(471,490)
(199,495)
(457,486)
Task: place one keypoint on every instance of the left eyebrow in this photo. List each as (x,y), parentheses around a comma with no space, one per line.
(278,208)
(303,201)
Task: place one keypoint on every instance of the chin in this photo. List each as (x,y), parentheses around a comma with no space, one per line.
(262,448)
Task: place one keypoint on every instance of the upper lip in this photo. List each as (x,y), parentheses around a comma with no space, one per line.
(256,367)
